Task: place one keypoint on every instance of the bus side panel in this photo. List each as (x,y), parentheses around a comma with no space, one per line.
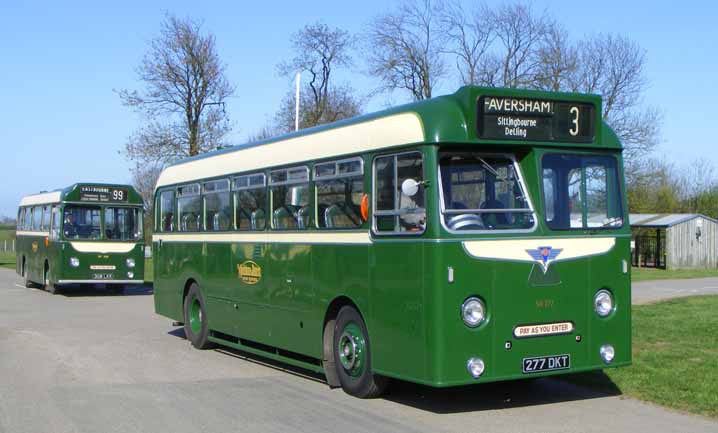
(218,287)
(397,328)
(291,297)
(253,315)
(339,270)
(168,284)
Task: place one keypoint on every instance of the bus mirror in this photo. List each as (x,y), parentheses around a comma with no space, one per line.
(410,187)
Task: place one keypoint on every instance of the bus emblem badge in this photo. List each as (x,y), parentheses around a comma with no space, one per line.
(35,247)
(249,272)
(544,256)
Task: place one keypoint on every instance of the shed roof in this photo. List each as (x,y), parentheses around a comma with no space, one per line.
(656,220)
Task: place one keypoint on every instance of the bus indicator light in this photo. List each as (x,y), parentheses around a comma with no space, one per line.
(365,207)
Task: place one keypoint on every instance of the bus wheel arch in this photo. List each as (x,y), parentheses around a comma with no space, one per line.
(187,285)
(46,273)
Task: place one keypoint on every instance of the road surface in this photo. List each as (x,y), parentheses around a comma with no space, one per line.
(90,362)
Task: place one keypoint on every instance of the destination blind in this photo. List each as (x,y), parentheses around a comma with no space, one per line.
(505,118)
(103,194)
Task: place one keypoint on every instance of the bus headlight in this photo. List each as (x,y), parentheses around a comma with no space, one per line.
(603,303)
(130,275)
(74,262)
(473,312)
(475,367)
(607,353)
(130,263)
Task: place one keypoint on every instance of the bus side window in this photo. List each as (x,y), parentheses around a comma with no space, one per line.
(394,211)
(189,204)
(289,189)
(217,205)
(339,191)
(55,223)
(167,201)
(36,218)
(45,224)
(250,202)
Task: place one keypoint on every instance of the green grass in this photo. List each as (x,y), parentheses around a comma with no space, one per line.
(149,271)
(7,260)
(6,233)
(647,274)
(675,355)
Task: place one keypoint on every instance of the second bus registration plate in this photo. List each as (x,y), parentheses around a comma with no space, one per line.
(546,363)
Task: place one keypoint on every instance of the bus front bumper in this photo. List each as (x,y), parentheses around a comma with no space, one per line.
(100,282)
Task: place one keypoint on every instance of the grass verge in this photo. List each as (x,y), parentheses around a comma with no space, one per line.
(7,260)
(675,348)
(647,274)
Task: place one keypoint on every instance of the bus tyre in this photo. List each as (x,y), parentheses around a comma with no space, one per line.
(28,284)
(196,328)
(352,356)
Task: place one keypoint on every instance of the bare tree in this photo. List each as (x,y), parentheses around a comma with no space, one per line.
(340,104)
(319,50)
(471,35)
(185,89)
(144,179)
(519,32)
(614,67)
(405,48)
(557,58)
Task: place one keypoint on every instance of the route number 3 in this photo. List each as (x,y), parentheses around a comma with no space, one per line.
(574,129)
(118,195)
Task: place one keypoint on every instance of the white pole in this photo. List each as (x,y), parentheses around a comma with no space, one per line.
(296,107)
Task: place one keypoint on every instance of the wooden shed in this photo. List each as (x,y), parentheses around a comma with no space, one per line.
(674,241)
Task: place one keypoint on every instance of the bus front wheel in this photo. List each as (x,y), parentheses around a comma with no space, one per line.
(196,328)
(51,287)
(352,355)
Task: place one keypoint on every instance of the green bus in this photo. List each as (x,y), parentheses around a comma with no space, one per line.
(87,233)
(474,237)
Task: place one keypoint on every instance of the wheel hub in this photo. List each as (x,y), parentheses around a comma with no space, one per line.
(351,350)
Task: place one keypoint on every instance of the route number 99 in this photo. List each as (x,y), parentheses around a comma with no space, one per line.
(118,195)
(574,111)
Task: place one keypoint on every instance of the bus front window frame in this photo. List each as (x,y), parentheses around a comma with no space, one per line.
(530,210)
(138,223)
(616,196)
(86,207)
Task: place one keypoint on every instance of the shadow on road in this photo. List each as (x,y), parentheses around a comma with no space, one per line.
(256,359)
(480,397)
(502,395)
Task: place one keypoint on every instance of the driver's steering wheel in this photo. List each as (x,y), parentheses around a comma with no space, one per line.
(465,221)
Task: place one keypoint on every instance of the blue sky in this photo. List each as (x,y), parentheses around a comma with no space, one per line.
(61,121)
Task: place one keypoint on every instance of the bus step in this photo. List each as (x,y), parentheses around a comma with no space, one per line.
(177,324)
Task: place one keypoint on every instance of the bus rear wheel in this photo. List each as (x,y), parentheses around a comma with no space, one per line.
(352,355)
(196,328)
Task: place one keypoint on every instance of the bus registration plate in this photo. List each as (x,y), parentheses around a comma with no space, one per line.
(102,276)
(546,363)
